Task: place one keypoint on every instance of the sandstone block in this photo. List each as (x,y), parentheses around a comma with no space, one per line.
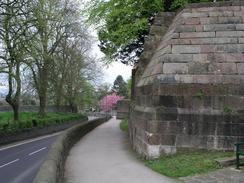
(168,139)
(186,49)
(208,20)
(197,34)
(175,68)
(213,40)
(240,68)
(177,58)
(208,48)
(219,27)
(180,41)
(239,26)
(221,14)
(230,34)
(234,57)
(224,20)
(186,28)
(192,21)
(226,68)
(195,14)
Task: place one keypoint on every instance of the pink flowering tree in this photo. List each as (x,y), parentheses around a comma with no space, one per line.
(109,101)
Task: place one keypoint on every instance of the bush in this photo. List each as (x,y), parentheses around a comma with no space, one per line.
(29,120)
(124,125)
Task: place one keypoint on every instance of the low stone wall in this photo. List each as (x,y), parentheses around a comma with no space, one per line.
(52,169)
(36,132)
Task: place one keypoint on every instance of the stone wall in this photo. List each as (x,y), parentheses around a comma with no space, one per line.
(190,94)
(123,108)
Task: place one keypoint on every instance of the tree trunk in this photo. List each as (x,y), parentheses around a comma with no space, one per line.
(16,112)
(14,101)
(42,107)
(43,90)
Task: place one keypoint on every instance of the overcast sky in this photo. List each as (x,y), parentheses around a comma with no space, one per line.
(114,69)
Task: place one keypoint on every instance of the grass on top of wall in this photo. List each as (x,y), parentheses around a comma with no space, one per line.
(31,119)
(187,162)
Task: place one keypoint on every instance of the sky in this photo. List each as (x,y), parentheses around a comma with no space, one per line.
(112,70)
(116,69)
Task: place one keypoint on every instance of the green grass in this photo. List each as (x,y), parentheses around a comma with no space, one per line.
(31,119)
(124,126)
(187,163)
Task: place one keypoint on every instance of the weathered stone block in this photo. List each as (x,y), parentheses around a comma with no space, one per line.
(167,101)
(193,15)
(221,14)
(186,28)
(197,34)
(239,27)
(175,68)
(226,68)
(214,40)
(176,58)
(198,68)
(240,68)
(208,20)
(153,126)
(233,20)
(153,139)
(168,140)
(186,49)
(220,27)
(229,34)
(192,21)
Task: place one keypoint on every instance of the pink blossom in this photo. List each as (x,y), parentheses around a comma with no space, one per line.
(109,101)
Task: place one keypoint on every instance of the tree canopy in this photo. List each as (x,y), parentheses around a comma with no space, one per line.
(120,86)
(45,53)
(123,24)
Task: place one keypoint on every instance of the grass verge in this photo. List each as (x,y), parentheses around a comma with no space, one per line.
(124,125)
(187,163)
(29,120)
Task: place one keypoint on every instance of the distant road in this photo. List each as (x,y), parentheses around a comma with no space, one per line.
(19,163)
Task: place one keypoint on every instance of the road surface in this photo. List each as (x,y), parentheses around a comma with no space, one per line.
(20,162)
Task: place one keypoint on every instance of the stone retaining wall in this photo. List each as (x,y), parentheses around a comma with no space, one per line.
(190,93)
(123,108)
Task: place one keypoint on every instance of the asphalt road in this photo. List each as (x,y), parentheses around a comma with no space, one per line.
(20,162)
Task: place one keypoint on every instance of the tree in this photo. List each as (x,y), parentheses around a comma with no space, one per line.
(123,25)
(13,27)
(109,101)
(51,21)
(103,90)
(120,86)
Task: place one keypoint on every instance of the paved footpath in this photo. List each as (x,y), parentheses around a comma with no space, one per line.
(226,175)
(104,156)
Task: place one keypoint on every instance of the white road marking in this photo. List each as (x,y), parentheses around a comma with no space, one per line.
(9,163)
(29,141)
(37,151)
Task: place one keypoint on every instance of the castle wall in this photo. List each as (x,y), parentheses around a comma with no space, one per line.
(190,93)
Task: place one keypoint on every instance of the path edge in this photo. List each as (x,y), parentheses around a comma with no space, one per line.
(52,168)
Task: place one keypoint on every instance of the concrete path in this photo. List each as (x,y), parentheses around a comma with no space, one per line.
(226,175)
(104,156)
